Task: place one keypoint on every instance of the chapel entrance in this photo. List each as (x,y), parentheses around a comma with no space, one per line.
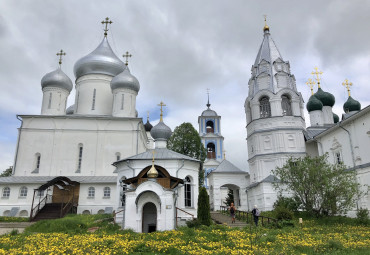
(149,218)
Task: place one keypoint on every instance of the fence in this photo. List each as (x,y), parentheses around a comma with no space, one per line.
(248,217)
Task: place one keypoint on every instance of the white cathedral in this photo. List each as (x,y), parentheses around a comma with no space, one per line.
(98,156)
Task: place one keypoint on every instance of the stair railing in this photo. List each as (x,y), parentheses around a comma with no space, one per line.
(65,209)
(248,216)
(192,215)
(35,210)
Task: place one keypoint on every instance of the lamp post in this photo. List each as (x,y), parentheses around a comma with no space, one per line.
(123,200)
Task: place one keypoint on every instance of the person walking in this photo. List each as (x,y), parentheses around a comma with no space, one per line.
(232,212)
(256,214)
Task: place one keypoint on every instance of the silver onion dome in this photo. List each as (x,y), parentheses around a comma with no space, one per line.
(57,79)
(101,61)
(161,132)
(70,109)
(209,112)
(125,80)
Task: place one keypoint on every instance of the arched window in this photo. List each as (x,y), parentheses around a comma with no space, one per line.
(286,105)
(265,108)
(37,163)
(91,192)
(106,192)
(118,156)
(23,213)
(188,192)
(210,127)
(79,162)
(211,151)
(6,192)
(23,192)
(86,212)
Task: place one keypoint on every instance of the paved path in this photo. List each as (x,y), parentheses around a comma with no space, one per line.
(7,227)
(226,219)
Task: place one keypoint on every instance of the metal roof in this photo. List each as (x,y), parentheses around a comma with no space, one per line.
(44,179)
(269,179)
(227,167)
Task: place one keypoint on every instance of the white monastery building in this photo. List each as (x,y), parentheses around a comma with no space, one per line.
(98,156)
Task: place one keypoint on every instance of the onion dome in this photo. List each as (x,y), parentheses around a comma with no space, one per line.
(335,118)
(314,104)
(326,98)
(101,61)
(161,132)
(152,173)
(148,126)
(125,80)
(57,79)
(351,105)
(70,109)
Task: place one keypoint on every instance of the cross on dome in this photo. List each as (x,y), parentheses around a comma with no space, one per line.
(318,74)
(161,104)
(208,104)
(127,55)
(60,54)
(266,27)
(106,22)
(310,84)
(347,85)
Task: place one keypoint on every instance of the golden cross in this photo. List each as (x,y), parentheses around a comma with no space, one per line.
(266,27)
(161,104)
(265,19)
(153,155)
(317,73)
(127,55)
(310,84)
(224,154)
(60,54)
(348,85)
(106,22)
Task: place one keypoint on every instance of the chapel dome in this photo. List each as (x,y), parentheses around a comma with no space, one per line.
(125,80)
(326,98)
(335,118)
(209,112)
(161,132)
(101,61)
(351,105)
(314,104)
(148,126)
(57,79)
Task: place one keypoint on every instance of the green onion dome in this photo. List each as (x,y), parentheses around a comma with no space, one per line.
(314,104)
(326,98)
(335,118)
(351,105)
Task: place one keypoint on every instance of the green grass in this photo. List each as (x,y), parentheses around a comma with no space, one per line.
(14,219)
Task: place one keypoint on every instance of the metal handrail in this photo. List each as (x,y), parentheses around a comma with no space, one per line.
(67,206)
(192,215)
(34,211)
(248,216)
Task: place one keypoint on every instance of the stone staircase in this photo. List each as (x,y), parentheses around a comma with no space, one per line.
(49,211)
(220,218)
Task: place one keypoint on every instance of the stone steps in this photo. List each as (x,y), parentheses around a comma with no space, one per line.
(220,218)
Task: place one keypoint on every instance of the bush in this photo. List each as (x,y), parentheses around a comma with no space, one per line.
(291,203)
(193,223)
(283,213)
(362,216)
(204,214)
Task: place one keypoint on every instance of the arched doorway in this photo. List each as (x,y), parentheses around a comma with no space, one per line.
(149,218)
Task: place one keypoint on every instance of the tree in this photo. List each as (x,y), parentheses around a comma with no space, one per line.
(186,140)
(322,188)
(204,214)
(229,197)
(7,172)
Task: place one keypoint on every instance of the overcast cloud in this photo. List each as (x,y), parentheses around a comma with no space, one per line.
(181,48)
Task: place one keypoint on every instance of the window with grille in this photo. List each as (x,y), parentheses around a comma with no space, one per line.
(93,101)
(122,100)
(23,192)
(6,192)
(265,108)
(91,192)
(286,106)
(49,105)
(38,159)
(79,163)
(106,192)
(188,202)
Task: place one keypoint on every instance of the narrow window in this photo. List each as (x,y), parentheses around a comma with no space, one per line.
(211,151)
(122,100)
(338,158)
(79,163)
(91,192)
(118,156)
(78,98)
(23,192)
(60,100)
(188,192)
(93,101)
(265,108)
(40,193)
(106,192)
(49,105)
(6,192)
(286,106)
(38,159)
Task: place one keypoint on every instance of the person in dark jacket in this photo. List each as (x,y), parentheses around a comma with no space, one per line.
(232,212)
(256,214)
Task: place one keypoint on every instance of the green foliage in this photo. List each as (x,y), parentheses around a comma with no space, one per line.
(291,203)
(193,223)
(322,188)
(229,197)
(14,232)
(282,213)
(362,216)
(14,219)
(185,139)
(204,214)
(7,172)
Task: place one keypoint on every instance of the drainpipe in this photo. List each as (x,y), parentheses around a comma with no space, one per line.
(350,142)
(322,150)
(137,136)
(177,171)
(177,194)
(19,138)
(128,165)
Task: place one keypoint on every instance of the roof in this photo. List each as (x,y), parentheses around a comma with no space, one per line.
(160,153)
(269,179)
(310,132)
(45,179)
(227,167)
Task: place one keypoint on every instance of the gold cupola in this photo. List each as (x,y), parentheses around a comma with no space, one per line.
(152,173)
